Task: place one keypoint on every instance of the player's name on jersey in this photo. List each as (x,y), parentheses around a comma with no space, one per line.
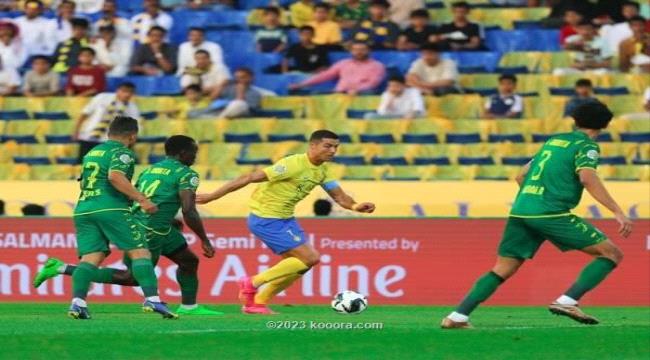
(533,190)
(85,194)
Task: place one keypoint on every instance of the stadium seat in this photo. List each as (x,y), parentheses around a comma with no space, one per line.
(613,91)
(451,173)
(395,154)
(496,172)
(279,84)
(40,160)
(219,154)
(227,20)
(20,139)
(463,138)
(247,130)
(642,155)
(357,114)
(292,130)
(409,173)
(14,115)
(58,139)
(365,172)
(51,115)
(433,155)
(486,59)
(167,85)
(635,137)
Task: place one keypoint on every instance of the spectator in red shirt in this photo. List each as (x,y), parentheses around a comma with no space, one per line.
(572,17)
(86,79)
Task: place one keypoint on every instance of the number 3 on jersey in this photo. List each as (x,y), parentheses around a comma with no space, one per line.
(149,190)
(539,168)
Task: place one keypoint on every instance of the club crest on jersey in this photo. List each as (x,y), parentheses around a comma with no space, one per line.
(125,159)
(592,154)
(280,169)
(194,181)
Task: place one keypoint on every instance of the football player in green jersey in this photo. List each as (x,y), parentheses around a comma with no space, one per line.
(102,215)
(170,184)
(551,184)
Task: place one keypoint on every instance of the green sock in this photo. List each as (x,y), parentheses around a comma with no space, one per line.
(145,275)
(81,278)
(104,276)
(484,287)
(189,284)
(595,272)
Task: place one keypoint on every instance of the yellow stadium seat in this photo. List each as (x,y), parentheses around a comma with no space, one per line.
(260,127)
(53,172)
(218,153)
(624,104)
(496,172)
(271,151)
(414,173)
(643,153)
(618,149)
(205,130)
(290,128)
(452,172)
(20,172)
(455,106)
(58,127)
(327,106)
(367,151)
(636,83)
(397,151)
(229,172)
(295,103)
(25,127)
(471,126)
(625,172)
(72,105)
(487,81)
(2,126)
(164,128)
(504,17)
(530,59)
(380,127)
(142,152)
(364,172)
(554,60)
(344,128)
(435,153)
(5,171)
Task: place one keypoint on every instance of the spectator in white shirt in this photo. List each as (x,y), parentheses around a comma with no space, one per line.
(641,116)
(92,126)
(113,53)
(152,16)
(196,41)
(41,80)
(110,17)
(34,30)
(431,74)
(60,28)
(614,34)
(12,51)
(400,10)
(506,103)
(399,102)
(89,6)
(209,76)
(9,80)
(590,52)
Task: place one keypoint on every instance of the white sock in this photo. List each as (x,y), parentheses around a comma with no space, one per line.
(565,300)
(79,302)
(154,298)
(457,317)
(189,307)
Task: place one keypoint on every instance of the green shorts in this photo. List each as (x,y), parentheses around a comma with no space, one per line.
(522,237)
(96,230)
(161,243)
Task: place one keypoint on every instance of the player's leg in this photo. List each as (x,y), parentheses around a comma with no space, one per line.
(274,287)
(188,280)
(54,267)
(575,233)
(519,242)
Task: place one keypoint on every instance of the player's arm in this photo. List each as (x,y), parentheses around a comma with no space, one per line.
(522,174)
(193,220)
(122,184)
(592,183)
(347,202)
(256,176)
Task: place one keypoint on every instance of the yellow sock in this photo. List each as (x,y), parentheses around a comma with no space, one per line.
(288,266)
(275,287)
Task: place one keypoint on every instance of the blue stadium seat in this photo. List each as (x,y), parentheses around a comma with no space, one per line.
(232,41)
(473,70)
(401,60)
(522,40)
(471,160)
(14,115)
(51,115)
(155,158)
(397,160)
(435,5)
(482,91)
(286,137)
(149,115)
(185,19)
(443,160)
(29,160)
(113,82)
(242,138)
(167,86)
(241,161)
(612,160)
(540,138)
(152,139)
(512,70)
(377,138)
(67,160)
(335,56)
(420,139)
(515,138)
(527,25)
(258,62)
(562,91)
(20,139)
(345,138)
(350,160)
(144,85)
(487,59)
(635,137)
(278,83)
(463,138)
(621,90)
(280,114)
(229,19)
(58,139)
(357,114)
(515,160)
(604,137)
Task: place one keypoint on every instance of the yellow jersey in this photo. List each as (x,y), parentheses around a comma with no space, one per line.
(290,180)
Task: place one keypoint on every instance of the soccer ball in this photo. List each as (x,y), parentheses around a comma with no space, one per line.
(349,302)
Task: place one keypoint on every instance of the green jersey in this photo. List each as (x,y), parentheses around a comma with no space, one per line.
(97,193)
(162,183)
(552,185)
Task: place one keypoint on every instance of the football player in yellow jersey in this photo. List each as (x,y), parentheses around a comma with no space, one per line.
(281,187)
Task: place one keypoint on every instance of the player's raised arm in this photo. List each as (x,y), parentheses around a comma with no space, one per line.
(256,176)
(592,183)
(347,202)
(193,220)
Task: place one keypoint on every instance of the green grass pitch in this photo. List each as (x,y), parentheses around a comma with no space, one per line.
(39,331)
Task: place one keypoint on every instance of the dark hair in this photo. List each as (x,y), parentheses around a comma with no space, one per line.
(584,83)
(177,144)
(108,27)
(157,28)
(510,77)
(586,22)
(397,78)
(127,84)
(201,51)
(79,22)
(196,28)
(88,50)
(247,70)
(33,210)
(123,125)
(461,4)
(271,10)
(2,207)
(359,42)
(420,13)
(592,115)
(319,135)
(631,3)
(193,87)
(325,6)
(430,47)
(42,57)
(322,207)
(574,9)
(307,28)
(383,3)
(69,2)
(637,18)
